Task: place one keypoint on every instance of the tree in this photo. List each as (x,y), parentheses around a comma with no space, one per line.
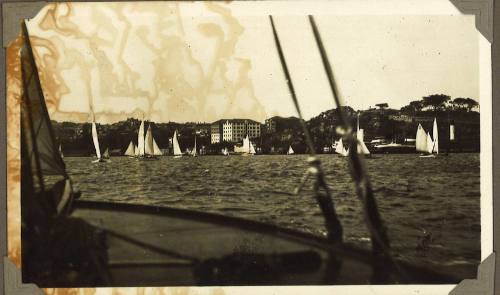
(382,106)
(471,104)
(465,103)
(436,101)
(459,103)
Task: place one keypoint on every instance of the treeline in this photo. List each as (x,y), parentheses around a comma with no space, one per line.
(382,123)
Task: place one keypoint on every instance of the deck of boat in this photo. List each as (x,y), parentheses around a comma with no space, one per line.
(152,246)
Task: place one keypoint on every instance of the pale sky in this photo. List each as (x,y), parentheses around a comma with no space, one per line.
(201,61)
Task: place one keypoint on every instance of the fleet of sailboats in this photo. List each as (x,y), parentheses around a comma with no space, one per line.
(147,148)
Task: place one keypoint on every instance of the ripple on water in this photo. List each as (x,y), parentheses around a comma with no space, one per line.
(440,195)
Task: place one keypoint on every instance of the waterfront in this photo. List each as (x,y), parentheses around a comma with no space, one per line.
(439,195)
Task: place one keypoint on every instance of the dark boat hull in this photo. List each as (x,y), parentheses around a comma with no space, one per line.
(158,246)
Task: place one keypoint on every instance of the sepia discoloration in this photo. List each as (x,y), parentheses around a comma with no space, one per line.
(97,65)
(13,151)
(135,291)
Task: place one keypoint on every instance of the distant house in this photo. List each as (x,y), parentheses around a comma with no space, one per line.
(401,118)
(271,125)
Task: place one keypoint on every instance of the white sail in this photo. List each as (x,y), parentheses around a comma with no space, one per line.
(421,140)
(130,150)
(246,144)
(156,149)
(362,148)
(225,152)
(435,134)
(136,151)
(60,151)
(175,142)
(149,149)
(340,149)
(429,143)
(105,155)
(140,140)
(96,140)
(252,149)
(193,152)
(290,151)
(452,132)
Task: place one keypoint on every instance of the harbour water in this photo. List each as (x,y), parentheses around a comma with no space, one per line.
(417,197)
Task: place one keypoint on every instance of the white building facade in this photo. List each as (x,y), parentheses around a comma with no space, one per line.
(234,130)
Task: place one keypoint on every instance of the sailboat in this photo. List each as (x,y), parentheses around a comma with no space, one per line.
(290,151)
(105,155)
(193,152)
(131,150)
(146,144)
(140,141)
(424,143)
(156,149)
(340,149)
(360,134)
(225,152)
(149,145)
(435,133)
(177,148)
(247,149)
(95,139)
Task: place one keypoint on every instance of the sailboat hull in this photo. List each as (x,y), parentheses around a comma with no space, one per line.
(160,246)
(427,156)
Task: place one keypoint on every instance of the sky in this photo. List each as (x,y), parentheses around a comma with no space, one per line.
(205,61)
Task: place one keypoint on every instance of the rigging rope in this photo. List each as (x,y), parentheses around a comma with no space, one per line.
(325,201)
(378,231)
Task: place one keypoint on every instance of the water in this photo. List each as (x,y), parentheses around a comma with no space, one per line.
(437,195)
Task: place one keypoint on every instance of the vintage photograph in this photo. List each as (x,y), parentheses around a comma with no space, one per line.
(199,144)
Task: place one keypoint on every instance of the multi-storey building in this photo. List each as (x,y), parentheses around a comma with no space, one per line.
(271,125)
(234,130)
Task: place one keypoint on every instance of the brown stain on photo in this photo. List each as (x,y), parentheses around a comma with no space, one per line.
(53,56)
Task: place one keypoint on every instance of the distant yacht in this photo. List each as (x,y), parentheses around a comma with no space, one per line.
(105,155)
(360,134)
(177,148)
(247,149)
(424,143)
(340,149)
(95,139)
(225,152)
(290,151)
(146,144)
(131,150)
(193,152)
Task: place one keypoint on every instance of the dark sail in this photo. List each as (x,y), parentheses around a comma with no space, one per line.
(39,134)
